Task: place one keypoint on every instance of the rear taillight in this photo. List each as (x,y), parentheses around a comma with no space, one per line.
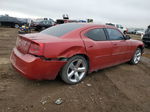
(28,46)
(36,49)
(22,45)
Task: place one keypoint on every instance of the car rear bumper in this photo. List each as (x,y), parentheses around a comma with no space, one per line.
(34,67)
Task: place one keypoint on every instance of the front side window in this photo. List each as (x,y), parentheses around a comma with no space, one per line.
(115,34)
(97,34)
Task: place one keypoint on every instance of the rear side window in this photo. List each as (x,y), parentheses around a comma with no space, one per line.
(60,30)
(97,34)
(115,34)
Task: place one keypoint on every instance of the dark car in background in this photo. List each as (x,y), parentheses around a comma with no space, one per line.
(40,25)
(146,37)
(13,22)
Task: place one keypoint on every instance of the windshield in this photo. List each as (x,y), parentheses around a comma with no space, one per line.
(60,30)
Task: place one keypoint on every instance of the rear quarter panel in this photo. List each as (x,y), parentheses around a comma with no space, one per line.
(69,46)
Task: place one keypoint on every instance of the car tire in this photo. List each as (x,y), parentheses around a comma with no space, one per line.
(74,70)
(137,56)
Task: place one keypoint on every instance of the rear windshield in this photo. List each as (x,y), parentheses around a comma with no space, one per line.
(60,30)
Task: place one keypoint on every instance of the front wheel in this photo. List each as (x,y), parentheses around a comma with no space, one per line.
(75,70)
(137,56)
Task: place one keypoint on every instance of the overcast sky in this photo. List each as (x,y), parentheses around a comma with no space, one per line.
(131,13)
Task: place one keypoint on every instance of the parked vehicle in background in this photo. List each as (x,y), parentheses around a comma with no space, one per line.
(13,22)
(146,37)
(24,29)
(140,32)
(66,20)
(62,21)
(119,26)
(73,50)
(131,31)
(40,25)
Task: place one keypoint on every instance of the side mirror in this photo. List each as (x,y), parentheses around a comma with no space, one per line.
(127,37)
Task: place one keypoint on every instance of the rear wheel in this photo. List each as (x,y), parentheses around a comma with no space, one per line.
(75,70)
(137,56)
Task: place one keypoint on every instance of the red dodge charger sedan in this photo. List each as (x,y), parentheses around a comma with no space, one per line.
(72,50)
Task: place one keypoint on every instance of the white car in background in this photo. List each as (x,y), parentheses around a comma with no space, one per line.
(120,27)
(140,32)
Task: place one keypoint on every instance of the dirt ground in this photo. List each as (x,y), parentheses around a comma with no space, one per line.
(123,88)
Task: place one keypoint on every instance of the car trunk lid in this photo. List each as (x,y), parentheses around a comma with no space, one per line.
(34,43)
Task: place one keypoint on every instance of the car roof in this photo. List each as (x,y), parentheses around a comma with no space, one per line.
(69,28)
(93,25)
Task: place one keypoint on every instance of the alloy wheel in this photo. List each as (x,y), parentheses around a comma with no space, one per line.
(137,56)
(76,70)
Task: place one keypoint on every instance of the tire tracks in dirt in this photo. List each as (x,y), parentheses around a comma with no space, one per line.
(134,82)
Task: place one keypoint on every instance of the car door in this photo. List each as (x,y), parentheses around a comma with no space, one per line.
(98,47)
(121,50)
